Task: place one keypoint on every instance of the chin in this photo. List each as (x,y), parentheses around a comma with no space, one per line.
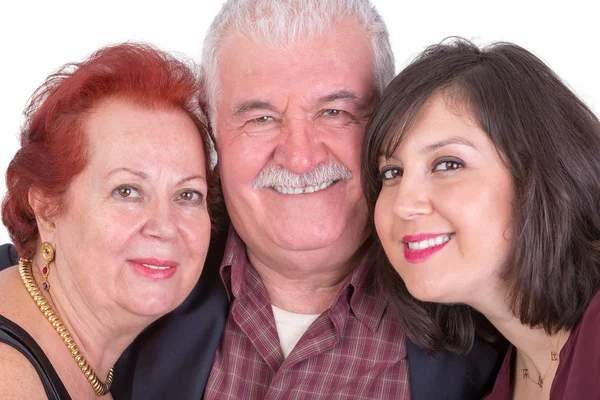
(306,237)
(428,291)
(153,304)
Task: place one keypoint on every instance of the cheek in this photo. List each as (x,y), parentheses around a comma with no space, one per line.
(195,231)
(346,146)
(486,221)
(384,218)
(241,158)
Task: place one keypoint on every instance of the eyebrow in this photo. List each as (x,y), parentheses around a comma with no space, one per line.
(339,95)
(191,178)
(251,105)
(442,143)
(143,175)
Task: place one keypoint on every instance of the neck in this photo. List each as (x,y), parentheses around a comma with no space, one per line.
(100,334)
(305,283)
(533,345)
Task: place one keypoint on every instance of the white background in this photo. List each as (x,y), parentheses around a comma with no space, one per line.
(38,36)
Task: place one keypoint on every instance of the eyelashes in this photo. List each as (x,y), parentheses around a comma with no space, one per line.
(440,165)
(133,193)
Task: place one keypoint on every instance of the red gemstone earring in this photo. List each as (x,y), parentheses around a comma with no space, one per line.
(48,254)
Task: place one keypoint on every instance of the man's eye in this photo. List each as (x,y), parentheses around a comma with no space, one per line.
(127,192)
(262,120)
(448,165)
(332,112)
(390,173)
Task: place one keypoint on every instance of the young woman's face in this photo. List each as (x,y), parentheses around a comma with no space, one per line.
(444,211)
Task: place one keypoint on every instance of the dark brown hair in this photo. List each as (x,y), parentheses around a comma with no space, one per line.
(549,141)
(54,147)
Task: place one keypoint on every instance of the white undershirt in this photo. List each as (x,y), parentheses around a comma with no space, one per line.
(291,327)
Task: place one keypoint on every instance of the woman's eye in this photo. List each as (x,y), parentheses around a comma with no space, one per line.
(332,113)
(190,195)
(390,173)
(127,192)
(448,165)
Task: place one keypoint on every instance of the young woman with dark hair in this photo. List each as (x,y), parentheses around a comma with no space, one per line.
(482,173)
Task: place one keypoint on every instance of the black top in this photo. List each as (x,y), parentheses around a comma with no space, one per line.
(15,336)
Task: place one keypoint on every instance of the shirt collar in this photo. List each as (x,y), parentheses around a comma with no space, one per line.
(359,292)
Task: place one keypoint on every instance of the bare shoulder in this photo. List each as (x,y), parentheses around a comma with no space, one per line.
(12,292)
(18,377)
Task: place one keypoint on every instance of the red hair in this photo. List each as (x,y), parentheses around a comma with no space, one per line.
(54,146)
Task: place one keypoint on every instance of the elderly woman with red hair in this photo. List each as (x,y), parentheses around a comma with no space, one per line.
(108,206)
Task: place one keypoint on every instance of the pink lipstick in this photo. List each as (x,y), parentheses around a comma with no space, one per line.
(154,268)
(435,242)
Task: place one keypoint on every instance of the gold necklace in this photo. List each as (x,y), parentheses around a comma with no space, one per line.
(99,387)
(541,379)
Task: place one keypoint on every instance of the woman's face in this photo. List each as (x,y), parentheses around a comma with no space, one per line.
(444,211)
(136,228)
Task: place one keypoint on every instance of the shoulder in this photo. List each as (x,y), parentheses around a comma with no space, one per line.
(8,256)
(589,326)
(18,377)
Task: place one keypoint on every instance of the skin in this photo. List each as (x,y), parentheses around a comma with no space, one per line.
(142,195)
(275,109)
(447,177)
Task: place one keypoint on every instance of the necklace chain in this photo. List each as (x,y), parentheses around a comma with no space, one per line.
(541,379)
(99,387)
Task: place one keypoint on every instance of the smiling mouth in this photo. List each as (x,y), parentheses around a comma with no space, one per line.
(302,190)
(431,242)
(156,267)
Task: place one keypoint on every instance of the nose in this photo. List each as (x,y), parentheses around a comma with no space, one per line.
(161,220)
(300,148)
(412,200)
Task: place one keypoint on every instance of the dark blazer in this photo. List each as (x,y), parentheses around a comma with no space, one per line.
(172,358)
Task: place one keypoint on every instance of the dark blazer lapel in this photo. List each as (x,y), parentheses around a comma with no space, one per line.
(448,376)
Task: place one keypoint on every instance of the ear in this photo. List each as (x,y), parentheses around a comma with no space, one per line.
(43,210)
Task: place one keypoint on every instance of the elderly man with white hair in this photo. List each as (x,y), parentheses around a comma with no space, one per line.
(291,85)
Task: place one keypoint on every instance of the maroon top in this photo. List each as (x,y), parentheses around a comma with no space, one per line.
(354,350)
(578,374)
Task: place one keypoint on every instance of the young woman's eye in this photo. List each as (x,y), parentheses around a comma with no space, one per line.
(390,173)
(127,192)
(447,165)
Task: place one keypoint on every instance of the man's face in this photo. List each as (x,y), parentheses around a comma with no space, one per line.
(290,123)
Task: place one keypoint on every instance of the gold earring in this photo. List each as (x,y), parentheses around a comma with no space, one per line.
(48,254)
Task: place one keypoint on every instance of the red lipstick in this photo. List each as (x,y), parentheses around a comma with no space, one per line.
(154,268)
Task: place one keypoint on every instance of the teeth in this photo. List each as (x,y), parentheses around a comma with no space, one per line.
(155,266)
(307,189)
(424,244)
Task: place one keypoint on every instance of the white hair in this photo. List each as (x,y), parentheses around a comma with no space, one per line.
(283,22)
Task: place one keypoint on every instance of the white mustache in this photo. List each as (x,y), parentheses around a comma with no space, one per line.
(322,173)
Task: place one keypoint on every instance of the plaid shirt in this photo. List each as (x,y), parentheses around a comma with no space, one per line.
(354,350)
